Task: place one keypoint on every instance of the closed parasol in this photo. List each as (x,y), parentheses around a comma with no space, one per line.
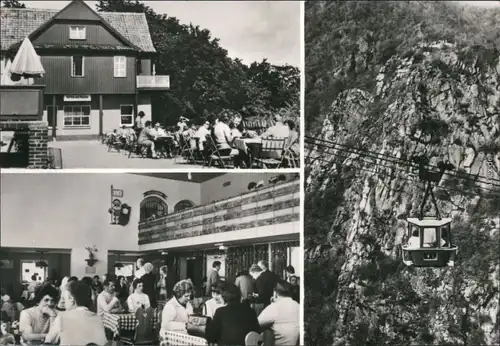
(26,63)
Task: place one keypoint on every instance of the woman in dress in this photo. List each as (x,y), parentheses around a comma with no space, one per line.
(176,311)
(138,298)
(35,322)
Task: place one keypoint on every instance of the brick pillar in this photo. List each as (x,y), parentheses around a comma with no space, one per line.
(38,139)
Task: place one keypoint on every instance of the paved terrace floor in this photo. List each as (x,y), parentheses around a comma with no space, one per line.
(92,154)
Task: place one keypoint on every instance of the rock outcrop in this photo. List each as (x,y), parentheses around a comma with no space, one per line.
(440,100)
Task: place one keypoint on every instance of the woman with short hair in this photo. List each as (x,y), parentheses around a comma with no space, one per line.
(35,322)
(77,325)
(176,311)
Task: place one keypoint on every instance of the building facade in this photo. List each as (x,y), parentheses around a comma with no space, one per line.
(99,71)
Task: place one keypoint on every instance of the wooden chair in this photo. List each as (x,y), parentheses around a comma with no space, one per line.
(144,331)
(264,339)
(222,156)
(270,153)
(133,147)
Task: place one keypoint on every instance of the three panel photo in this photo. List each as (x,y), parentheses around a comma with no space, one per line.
(273,173)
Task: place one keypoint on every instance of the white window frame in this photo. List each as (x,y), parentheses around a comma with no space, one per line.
(131,115)
(120,66)
(45,270)
(77,32)
(76,116)
(72,67)
(127,264)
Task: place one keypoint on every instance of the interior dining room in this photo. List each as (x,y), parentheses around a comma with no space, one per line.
(92,224)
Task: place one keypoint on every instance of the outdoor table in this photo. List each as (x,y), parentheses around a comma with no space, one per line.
(122,322)
(247,148)
(181,339)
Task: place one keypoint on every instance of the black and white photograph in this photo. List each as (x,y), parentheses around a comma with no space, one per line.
(150,84)
(402,162)
(150,258)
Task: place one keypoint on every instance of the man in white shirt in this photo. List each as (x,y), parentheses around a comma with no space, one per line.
(202,133)
(138,298)
(222,133)
(278,130)
(140,270)
(282,316)
(106,300)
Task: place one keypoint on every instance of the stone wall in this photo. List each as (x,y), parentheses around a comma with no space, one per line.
(37,140)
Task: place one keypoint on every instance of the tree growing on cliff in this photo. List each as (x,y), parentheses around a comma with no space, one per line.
(13,4)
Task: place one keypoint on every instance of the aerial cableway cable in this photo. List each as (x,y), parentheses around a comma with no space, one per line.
(394,160)
(447,189)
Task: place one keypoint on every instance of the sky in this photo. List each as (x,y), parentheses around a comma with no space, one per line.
(249,30)
(482,3)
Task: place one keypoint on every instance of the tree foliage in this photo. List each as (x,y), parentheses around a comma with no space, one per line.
(13,4)
(204,79)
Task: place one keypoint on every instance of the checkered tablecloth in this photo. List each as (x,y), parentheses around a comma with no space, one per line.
(119,322)
(181,339)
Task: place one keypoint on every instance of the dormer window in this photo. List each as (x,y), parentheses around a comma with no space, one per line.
(77,32)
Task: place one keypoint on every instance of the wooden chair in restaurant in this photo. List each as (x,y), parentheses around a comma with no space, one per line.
(133,147)
(144,331)
(264,339)
(270,153)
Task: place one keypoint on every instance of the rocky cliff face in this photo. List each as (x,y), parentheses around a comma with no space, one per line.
(438,99)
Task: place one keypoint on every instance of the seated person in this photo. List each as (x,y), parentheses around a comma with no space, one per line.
(177,310)
(81,326)
(160,130)
(107,300)
(278,130)
(35,322)
(138,298)
(282,316)
(216,301)
(222,134)
(147,138)
(202,133)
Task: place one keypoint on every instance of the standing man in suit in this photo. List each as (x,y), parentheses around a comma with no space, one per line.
(266,281)
(212,277)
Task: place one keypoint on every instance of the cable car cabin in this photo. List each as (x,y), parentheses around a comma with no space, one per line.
(429,243)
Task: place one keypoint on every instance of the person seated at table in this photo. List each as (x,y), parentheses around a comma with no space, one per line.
(107,300)
(294,282)
(176,311)
(138,298)
(147,138)
(122,288)
(97,284)
(235,132)
(63,291)
(278,130)
(202,133)
(211,305)
(35,322)
(231,323)
(282,316)
(160,130)
(77,325)
(88,280)
(222,134)
(124,131)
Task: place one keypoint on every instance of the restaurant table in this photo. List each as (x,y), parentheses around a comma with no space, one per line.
(248,148)
(122,322)
(181,339)
(164,144)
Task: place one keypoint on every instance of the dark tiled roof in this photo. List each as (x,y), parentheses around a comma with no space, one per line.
(16,24)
